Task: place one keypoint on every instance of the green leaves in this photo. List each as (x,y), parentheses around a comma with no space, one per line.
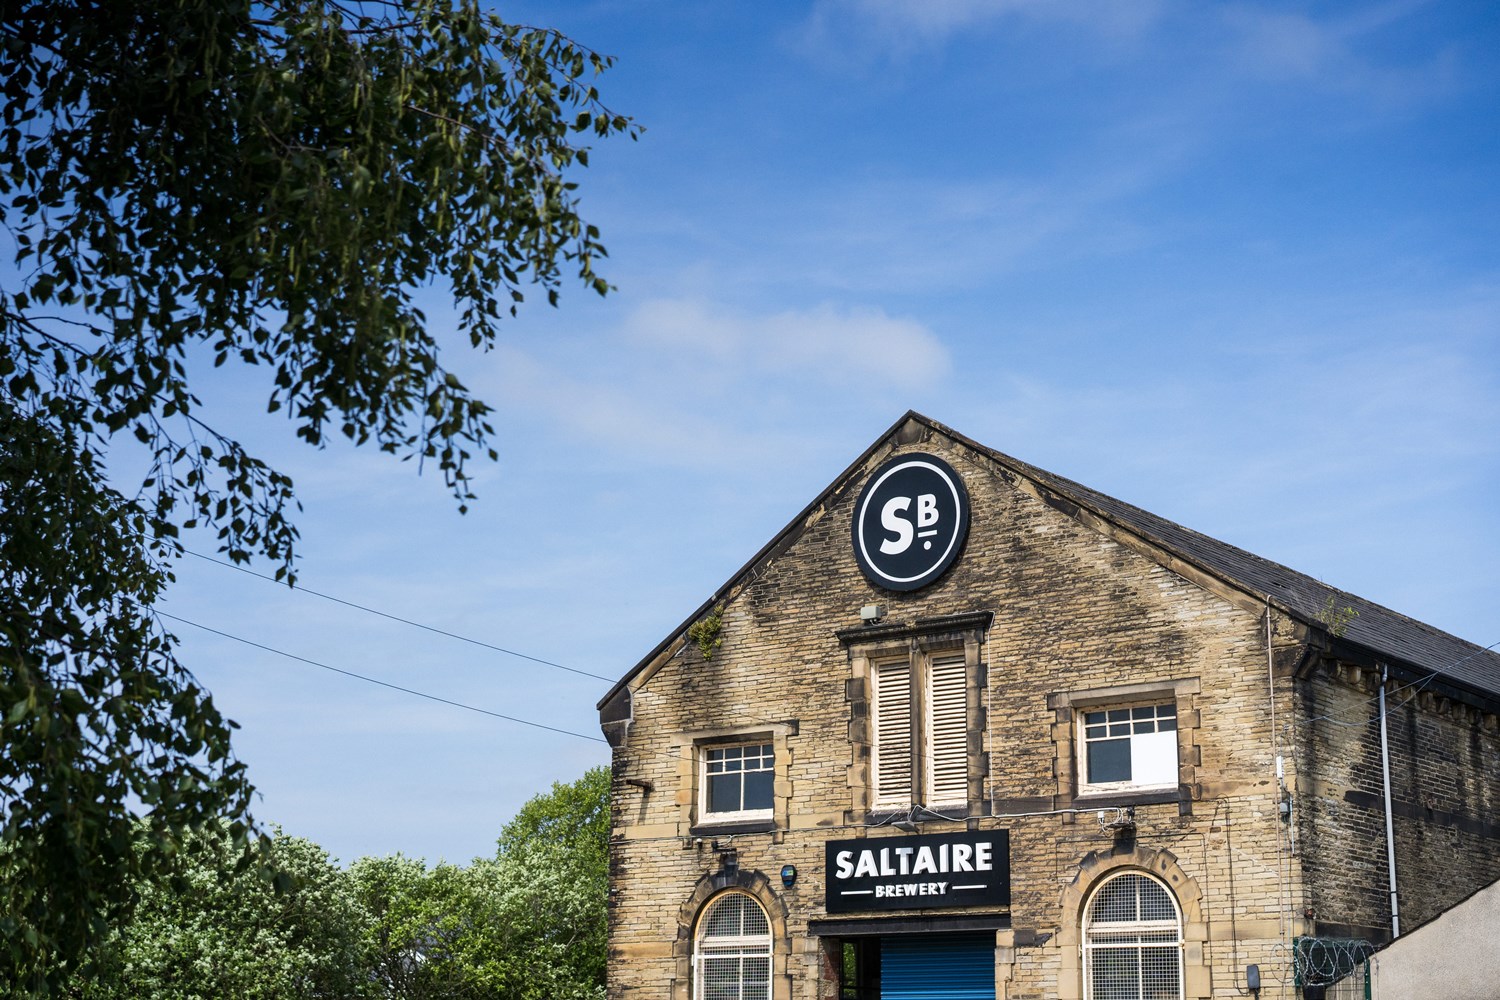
(269,184)
(276,919)
(279,922)
(528,924)
(99,716)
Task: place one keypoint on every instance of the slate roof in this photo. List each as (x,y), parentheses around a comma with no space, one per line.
(1379,629)
(1388,635)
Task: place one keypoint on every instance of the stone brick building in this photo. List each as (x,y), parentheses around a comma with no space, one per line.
(966,729)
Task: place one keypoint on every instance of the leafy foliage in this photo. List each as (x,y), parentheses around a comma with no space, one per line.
(100,722)
(528,924)
(555,855)
(1336,618)
(261,184)
(222,929)
(397,896)
(573,816)
(705,632)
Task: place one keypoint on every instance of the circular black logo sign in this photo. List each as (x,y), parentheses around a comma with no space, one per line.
(911,522)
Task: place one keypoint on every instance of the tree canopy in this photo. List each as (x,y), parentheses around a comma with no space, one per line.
(221,929)
(271,185)
(528,924)
(525,924)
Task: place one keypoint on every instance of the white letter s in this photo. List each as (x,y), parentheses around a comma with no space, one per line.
(891,521)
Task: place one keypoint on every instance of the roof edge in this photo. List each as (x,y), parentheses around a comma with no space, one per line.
(793,527)
(1154,545)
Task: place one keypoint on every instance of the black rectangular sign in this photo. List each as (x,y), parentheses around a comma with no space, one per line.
(909,873)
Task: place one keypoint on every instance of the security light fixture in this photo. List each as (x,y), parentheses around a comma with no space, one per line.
(871,613)
(908,822)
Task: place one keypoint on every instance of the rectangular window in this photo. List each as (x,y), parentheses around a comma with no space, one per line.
(738,781)
(1128,747)
(921,731)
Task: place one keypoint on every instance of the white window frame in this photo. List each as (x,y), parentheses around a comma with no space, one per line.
(705,751)
(1082,739)
(919,706)
(1095,932)
(737,947)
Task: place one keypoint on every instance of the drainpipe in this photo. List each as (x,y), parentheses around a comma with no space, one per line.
(1390,829)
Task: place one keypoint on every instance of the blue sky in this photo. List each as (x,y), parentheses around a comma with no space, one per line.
(1234,263)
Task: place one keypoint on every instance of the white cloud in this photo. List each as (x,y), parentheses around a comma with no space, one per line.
(694,384)
(1327,453)
(926,234)
(1285,45)
(825,343)
(607,401)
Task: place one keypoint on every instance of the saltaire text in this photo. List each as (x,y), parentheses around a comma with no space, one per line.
(945,858)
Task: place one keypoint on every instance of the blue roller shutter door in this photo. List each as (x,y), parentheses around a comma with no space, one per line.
(937,967)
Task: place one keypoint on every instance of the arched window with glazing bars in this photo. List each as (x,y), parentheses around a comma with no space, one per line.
(1132,941)
(732,951)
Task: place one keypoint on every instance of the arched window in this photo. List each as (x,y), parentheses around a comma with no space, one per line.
(732,957)
(1132,941)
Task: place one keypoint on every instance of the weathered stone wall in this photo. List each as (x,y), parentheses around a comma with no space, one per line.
(1445,782)
(1077,609)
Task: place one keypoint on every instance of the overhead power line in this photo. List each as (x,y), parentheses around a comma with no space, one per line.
(1410,689)
(1414,687)
(384,684)
(403,621)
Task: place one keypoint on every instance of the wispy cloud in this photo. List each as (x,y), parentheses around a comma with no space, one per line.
(902,25)
(1343,51)
(827,343)
(930,233)
(1341,54)
(1356,431)
(656,387)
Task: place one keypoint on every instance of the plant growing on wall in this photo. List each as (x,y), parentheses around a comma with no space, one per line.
(1336,619)
(705,632)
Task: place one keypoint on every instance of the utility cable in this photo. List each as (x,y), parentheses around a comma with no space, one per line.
(384,684)
(403,621)
(1415,687)
(406,690)
(430,628)
(584,736)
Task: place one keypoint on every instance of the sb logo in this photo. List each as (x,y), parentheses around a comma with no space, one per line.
(910,522)
(891,520)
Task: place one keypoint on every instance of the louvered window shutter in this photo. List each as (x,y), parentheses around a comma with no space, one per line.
(948,732)
(892,727)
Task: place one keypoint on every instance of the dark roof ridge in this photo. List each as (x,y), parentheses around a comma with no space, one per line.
(1384,632)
